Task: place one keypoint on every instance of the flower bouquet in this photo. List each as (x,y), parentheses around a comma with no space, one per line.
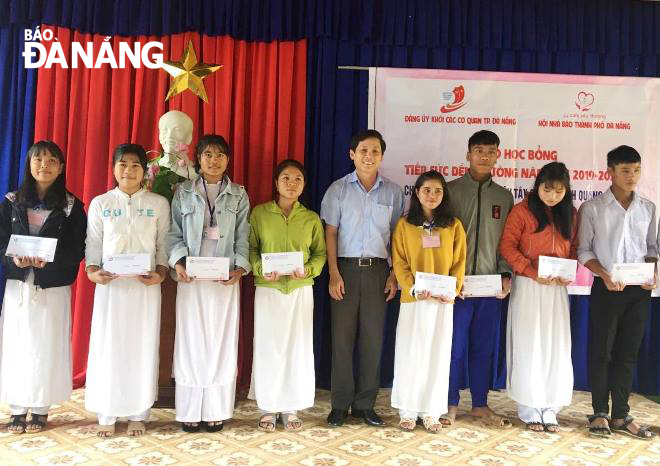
(166,170)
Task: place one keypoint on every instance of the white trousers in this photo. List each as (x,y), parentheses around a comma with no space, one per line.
(215,403)
(110,420)
(545,415)
(18,410)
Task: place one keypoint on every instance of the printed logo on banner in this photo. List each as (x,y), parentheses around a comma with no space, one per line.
(456,96)
(584,101)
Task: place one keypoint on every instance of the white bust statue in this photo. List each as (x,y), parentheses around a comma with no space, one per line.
(175,134)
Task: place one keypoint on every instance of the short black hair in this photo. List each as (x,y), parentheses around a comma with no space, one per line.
(622,154)
(210,140)
(441,215)
(129,148)
(483,137)
(56,193)
(366,134)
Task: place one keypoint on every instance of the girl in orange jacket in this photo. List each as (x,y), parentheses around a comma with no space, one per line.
(539,367)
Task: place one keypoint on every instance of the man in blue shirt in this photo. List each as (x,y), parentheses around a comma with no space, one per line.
(360,211)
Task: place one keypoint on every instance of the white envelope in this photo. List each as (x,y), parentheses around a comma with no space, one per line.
(208,268)
(482,285)
(283,263)
(32,246)
(633,274)
(557,267)
(437,285)
(128,264)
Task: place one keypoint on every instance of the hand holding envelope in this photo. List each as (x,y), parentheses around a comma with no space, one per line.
(556,271)
(431,285)
(31,251)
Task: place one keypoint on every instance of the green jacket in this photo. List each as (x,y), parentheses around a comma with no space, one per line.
(271,231)
(482,209)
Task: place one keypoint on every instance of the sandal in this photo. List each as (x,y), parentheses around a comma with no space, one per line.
(530,426)
(446,420)
(37,423)
(291,422)
(136,428)
(105,431)
(407,424)
(267,423)
(643,432)
(431,424)
(551,427)
(190,427)
(217,427)
(17,420)
(494,421)
(603,432)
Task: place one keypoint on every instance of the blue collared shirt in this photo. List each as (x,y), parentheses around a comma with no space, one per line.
(365,220)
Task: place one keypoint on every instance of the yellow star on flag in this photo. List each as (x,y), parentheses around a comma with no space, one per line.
(188,74)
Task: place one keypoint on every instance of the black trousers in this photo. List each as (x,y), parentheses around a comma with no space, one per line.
(361,313)
(616,327)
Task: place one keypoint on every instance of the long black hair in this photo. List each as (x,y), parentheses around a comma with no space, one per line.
(56,194)
(441,215)
(562,213)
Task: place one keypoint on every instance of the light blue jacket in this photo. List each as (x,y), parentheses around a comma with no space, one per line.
(231,213)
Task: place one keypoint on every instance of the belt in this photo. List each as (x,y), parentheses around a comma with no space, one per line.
(364,261)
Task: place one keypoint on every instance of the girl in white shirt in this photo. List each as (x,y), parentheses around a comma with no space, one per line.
(122,367)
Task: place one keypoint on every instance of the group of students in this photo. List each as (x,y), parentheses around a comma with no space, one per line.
(468,226)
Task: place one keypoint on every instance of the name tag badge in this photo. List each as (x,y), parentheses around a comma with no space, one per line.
(211,233)
(430,241)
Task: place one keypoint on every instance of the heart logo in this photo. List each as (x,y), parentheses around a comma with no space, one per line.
(584,100)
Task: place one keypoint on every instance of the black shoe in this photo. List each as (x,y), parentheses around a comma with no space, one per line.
(369,416)
(336,417)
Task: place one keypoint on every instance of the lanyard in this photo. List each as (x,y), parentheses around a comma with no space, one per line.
(208,203)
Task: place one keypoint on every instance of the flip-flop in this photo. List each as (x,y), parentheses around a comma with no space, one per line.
(17,420)
(136,426)
(643,432)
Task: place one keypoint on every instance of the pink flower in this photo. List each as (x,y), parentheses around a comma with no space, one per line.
(181,163)
(154,169)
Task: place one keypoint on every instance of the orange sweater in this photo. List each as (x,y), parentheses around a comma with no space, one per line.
(521,247)
(408,255)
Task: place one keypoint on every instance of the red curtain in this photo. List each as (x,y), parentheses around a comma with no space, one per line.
(256,100)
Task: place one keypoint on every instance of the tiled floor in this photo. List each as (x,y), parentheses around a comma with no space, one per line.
(71,439)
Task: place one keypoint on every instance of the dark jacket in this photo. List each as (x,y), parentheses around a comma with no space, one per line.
(68,225)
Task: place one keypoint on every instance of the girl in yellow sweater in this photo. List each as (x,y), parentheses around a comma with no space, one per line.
(428,239)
